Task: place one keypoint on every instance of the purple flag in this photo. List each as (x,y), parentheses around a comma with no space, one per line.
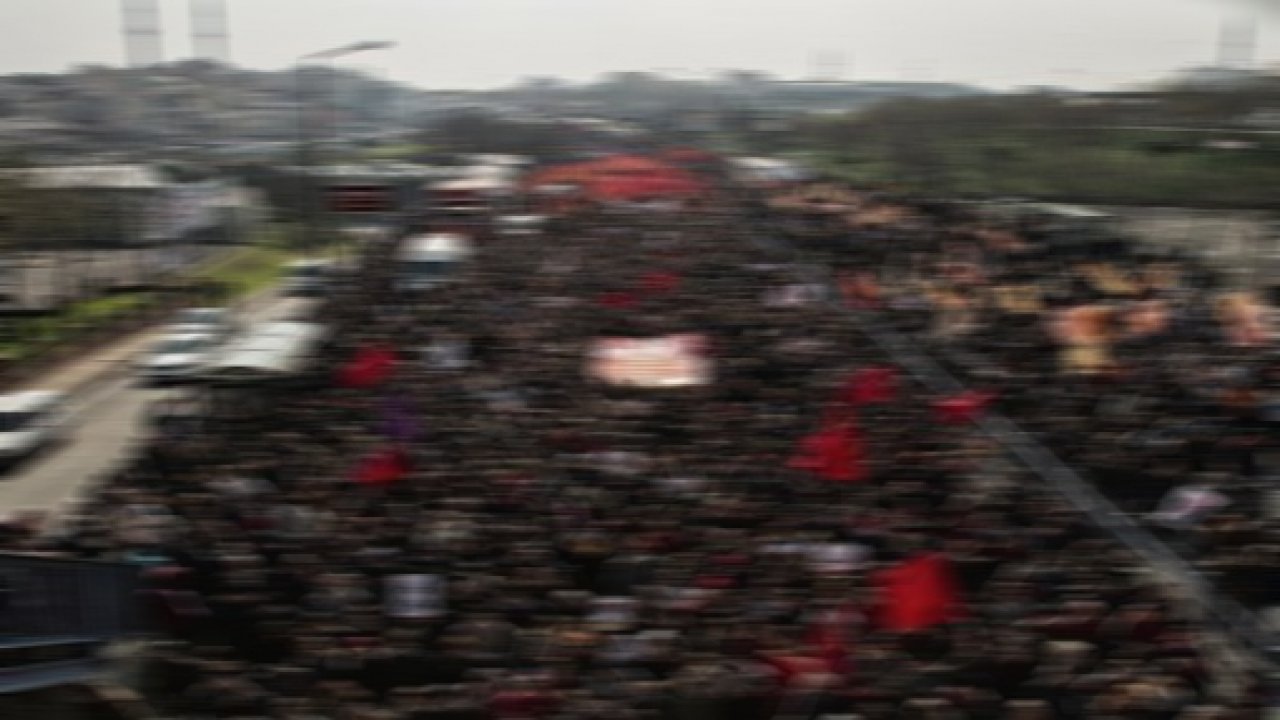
(397,422)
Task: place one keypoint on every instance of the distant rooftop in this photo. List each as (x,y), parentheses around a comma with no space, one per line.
(124,177)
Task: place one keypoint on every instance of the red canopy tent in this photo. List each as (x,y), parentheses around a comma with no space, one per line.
(642,187)
(622,178)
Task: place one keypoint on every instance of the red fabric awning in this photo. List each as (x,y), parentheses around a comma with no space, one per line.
(622,178)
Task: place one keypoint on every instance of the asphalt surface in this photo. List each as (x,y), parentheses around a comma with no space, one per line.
(106,423)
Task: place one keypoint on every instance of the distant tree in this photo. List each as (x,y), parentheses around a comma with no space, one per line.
(632,79)
(541,83)
(475,131)
(745,78)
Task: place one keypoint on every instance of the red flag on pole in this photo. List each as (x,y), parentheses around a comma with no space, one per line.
(382,468)
(870,386)
(918,593)
(962,409)
(370,366)
(834,452)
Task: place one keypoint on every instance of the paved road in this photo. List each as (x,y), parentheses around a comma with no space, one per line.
(106,425)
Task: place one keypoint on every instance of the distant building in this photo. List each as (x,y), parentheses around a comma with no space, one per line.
(137,226)
(146,206)
(374,190)
(827,96)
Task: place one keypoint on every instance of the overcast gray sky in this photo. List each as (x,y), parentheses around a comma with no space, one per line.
(487,43)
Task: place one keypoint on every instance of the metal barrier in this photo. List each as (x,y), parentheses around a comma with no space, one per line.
(45,598)
(57,615)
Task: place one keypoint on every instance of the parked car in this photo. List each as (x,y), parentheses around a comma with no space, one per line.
(214,321)
(178,357)
(29,421)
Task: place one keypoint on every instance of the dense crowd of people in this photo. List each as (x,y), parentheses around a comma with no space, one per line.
(1140,367)
(474,528)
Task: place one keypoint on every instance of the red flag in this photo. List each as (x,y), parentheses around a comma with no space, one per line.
(617,300)
(918,593)
(385,467)
(656,283)
(370,366)
(870,386)
(962,409)
(834,452)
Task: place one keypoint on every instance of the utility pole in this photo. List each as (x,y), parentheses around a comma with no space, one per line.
(309,196)
(142,37)
(1237,42)
(209,39)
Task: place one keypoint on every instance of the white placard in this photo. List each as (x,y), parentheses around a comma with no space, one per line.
(414,596)
(671,361)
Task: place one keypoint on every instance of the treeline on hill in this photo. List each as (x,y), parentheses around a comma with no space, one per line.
(1178,147)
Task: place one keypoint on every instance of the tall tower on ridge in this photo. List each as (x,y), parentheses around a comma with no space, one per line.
(1238,42)
(143,43)
(209,37)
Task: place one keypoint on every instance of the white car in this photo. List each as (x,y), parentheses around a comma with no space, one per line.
(178,357)
(29,421)
(214,321)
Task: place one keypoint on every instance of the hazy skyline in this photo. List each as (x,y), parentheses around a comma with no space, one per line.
(489,43)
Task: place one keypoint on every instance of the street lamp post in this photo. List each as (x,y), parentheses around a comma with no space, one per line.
(306,152)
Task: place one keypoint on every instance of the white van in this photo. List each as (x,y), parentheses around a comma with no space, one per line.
(29,421)
(428,260)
